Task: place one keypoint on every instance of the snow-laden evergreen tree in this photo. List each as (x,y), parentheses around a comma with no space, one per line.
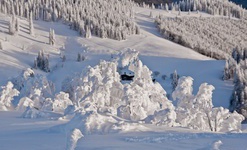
(1,45)
(31,28)
(88,32)
(42,62)
(235,68)
(17,25)
(52,37)
(151,14)
(46,65)
(63,58)
(7,94)
(167,7)
(174,80)
(79,57)
(61,102)
(12,30)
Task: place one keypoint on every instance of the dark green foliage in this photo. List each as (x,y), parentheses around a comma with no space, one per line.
(42,62)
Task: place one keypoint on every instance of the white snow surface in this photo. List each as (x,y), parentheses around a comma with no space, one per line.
(158,54)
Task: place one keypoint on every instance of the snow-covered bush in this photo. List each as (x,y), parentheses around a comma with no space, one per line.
(7,94)
(99,85)
(28,82)
(165,117)
(24,103)
(197,112)
(61,102)
(103,18)
(211,36)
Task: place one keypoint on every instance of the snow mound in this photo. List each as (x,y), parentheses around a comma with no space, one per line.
(91,122)
(74,136)
(216,145)
(33,113)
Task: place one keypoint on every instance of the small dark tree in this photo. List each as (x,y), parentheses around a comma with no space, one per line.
(174,80)
(226,75)
(35,64)
(79,57)
(63,58)
(46,65)
(42,62)
(83,57)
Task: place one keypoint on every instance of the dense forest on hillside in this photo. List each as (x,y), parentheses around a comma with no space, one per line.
(85,16)
(155,2)
(158,2)
(213,37)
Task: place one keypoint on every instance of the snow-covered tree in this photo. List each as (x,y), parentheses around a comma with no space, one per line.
(88,32)
(12,30)
(151,14)
(61,102)
(52,37)
(7,94)
(235,68)
(63,58)
(100,88)
(17,25)
(1,45)
(174,80)
(79,57)
(197,112)
(29,83)
(24,103)
(31,28)
(42,62)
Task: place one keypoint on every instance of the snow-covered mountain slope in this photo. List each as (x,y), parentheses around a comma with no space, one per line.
(157,53)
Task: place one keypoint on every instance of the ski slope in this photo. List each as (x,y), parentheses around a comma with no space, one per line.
(156,52)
